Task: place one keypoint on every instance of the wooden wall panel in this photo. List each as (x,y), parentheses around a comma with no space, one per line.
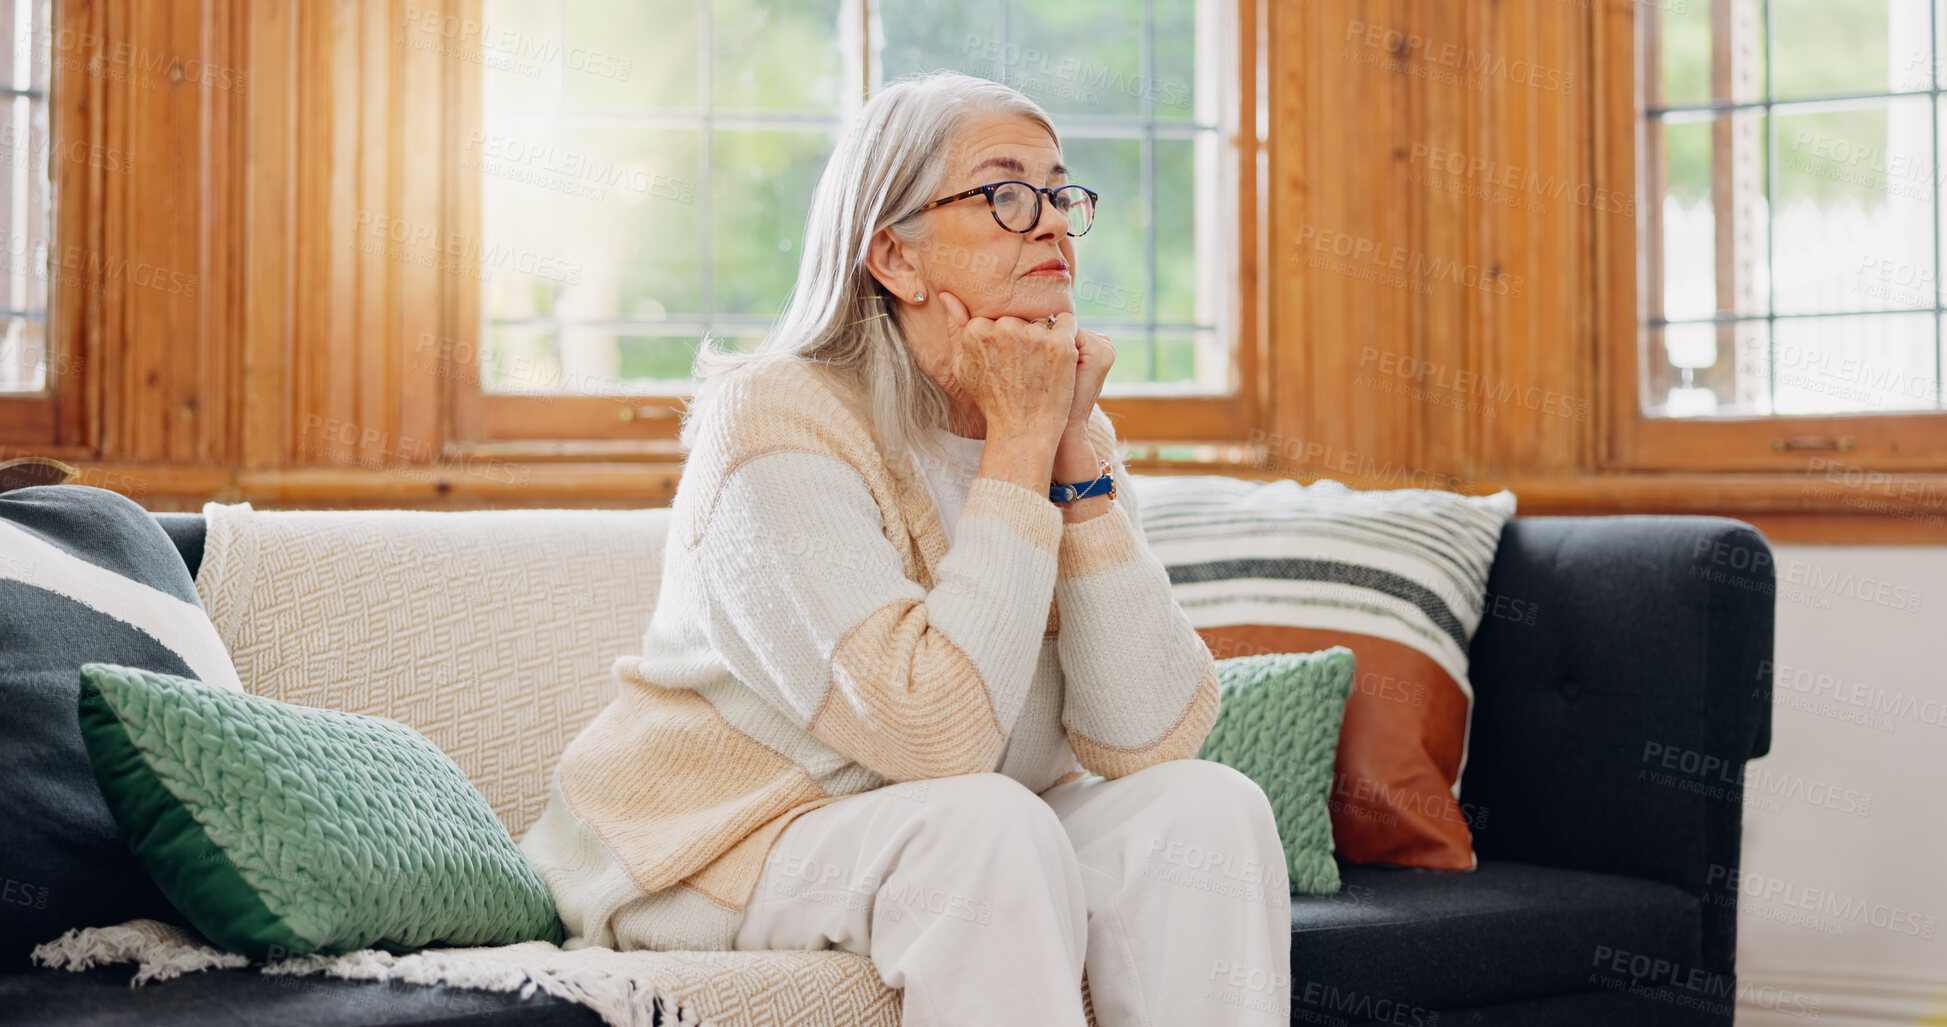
(1440,117)
(1433,164)
(166,269)
(420,150)
(1331,140)
(343,146)
(267,237)
(367,373)
(68,423)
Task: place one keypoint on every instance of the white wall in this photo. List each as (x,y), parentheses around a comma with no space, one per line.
(1845,823)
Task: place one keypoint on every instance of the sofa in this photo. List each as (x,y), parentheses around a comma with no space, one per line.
(1598,898)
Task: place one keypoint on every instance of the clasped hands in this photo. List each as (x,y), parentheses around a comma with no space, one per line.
(1033,379)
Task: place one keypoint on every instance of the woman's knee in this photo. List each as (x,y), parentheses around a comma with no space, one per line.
(988,806)
(1218,780)
(1219,811)
(1211,792)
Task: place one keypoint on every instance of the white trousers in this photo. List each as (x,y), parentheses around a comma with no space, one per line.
(984,902)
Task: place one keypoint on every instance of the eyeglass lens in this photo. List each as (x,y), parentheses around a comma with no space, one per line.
(1014,205)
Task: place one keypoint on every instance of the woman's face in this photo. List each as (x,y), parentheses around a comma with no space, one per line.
(993,271)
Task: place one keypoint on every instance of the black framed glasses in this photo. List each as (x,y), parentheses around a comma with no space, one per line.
(1016,206)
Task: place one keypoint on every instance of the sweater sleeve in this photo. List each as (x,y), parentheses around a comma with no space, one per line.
(810,605)
(1139,686)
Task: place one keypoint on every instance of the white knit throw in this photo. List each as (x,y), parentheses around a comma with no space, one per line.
(828,988)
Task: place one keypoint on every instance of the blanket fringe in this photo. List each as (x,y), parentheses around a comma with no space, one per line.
(620,1000)
(162,951)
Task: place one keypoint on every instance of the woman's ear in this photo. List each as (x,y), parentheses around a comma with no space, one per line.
(894,263)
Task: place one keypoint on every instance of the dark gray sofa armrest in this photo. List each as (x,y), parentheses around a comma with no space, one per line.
(1615,709)
(186,531)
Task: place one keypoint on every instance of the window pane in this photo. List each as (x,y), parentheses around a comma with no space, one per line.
(642,53)
(1172,84)
(1687,223)
(1840,47)
(1133,352)
(1075,58)
(588,223)
(24,211)
(1176,231)
(919,36)
(643,237)
(1919,68)
(596,360)
(760,190)
(654,357)
(1713,248)
(520,358)
(1870,363)
(1708,370)
(1111,272)
(1176,358)
(776,54)
(513,37)
(1854,228)
(1829,365)
(1703,66)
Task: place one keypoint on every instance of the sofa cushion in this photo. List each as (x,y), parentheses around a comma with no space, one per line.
(1399,577)
(282,830)
(85,574)
(1396,943)
(1278,724)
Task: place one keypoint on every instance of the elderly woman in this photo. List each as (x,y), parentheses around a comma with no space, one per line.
(915,686)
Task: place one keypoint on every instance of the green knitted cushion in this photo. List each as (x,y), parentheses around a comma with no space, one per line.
(1278,723)
(282,830)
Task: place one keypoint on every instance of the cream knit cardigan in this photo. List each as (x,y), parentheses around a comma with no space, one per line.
(814,637)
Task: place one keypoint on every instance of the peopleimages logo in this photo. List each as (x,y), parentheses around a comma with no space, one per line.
(1072,70)
(1459,60)
(1866,697)
(1498,174)
(1823,902)
(144,62)
(1435,376)
(570,171)
(1411,263)
(515,46)
(88,269)
(1667,980)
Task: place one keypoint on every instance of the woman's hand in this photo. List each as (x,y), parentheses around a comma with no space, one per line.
(1095,354)
(1075,458)
(1020,374)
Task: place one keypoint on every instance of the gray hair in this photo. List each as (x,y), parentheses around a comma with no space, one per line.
(888,165)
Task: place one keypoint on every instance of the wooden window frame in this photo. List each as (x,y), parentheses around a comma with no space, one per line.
(644,427)
(56,421)
(1627,161)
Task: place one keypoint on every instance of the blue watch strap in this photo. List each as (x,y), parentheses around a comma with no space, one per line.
(1103,486)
